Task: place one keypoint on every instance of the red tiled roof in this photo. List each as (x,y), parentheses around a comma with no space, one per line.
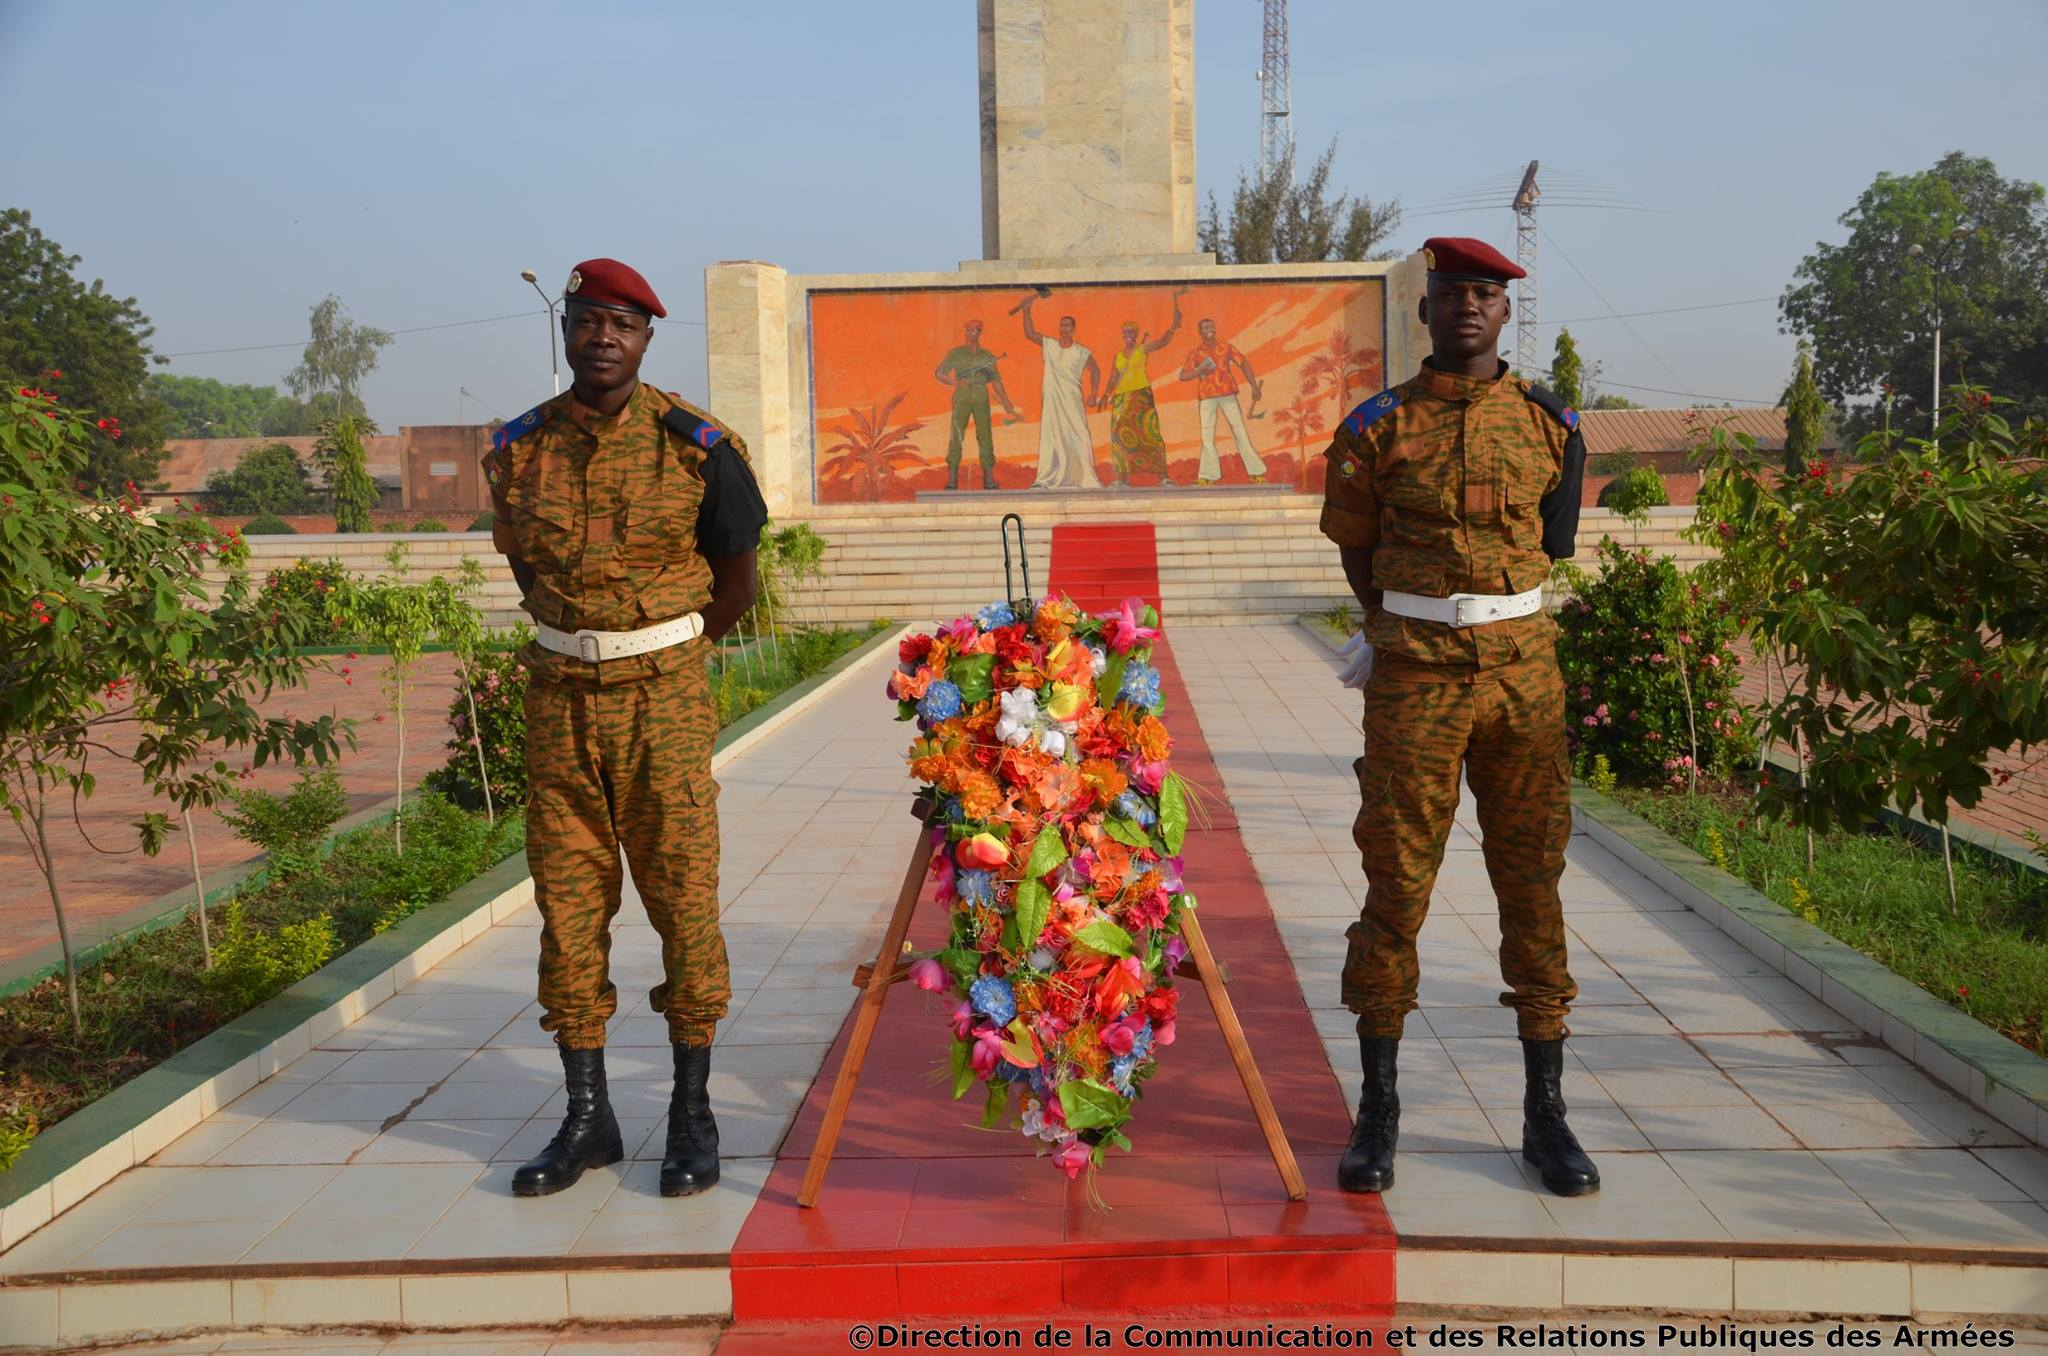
(1677,430)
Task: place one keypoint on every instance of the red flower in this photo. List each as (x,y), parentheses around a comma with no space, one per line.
(913,649)
(1962,991)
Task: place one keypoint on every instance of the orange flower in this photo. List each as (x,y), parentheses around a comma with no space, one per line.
(979,795)
(1104,778)
(1112,863)
(1153,741)
(1071,913)
(1057,786)
(1122,726)
(1055,620)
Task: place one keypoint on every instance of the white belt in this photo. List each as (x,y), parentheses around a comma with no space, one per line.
(596,646)
(1464,609)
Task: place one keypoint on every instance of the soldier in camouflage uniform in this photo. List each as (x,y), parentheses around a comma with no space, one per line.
(1448,497)
(630,521)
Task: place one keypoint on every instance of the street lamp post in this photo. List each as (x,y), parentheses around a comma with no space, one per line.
(1955,235)
(551,304)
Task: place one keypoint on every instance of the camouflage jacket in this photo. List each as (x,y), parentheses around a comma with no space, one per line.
(1456,485)
(604,510)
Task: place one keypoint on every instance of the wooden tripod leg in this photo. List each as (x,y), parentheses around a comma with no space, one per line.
(869,1012)
(1241,1056)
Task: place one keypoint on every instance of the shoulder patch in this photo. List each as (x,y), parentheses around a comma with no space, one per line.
(512,430)
(1554,407)
(1360,419)
(693,428)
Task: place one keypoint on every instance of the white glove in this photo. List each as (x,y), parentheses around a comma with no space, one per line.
(1357,656)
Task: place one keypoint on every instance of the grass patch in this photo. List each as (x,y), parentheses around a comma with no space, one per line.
(1883,893)
(748,675)
(153,998)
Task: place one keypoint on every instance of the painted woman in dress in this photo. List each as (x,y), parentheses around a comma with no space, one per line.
(1135,443)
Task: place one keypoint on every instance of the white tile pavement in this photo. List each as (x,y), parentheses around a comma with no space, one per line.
(1720,1101)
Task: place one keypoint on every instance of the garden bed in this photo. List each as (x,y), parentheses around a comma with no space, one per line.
(1883,893)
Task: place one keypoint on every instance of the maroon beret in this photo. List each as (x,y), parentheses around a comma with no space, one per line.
(1464,259)
(607,282)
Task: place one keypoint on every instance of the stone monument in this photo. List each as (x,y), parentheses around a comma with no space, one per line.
(1087,130)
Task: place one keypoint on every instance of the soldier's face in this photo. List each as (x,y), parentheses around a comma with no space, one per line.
(604,346)
(1465,318)
(973,332)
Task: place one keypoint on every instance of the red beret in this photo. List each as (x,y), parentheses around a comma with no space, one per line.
(607,282)
(1468,260)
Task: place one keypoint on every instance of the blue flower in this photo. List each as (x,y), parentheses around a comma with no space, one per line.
(1142,1046)
(1140,687)
(995,615)
(975,887)
(1132,806)
(1120,1070)
(941,701)
(992,998)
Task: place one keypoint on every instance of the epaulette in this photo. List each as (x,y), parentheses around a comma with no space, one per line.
(1360,419)
(1554,407)
(702,432)
(512,430)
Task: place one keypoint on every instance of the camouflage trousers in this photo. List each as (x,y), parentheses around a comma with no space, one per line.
(625,767)
(1504,727)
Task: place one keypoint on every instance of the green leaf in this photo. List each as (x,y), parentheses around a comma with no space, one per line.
(1048,850)
(1089,1105)
(971,674)
(1112,679)
(1173,813)
(1104,936)
(1034,906)
(1126,831)
(906,710)
(963,1068)
(998,1103)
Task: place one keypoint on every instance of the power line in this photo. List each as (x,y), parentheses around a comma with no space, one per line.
(413,329)
(1689,395)
(1668,310)
(1633,332)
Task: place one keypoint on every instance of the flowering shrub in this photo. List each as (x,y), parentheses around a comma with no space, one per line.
(305,585)
(1649,676)
(1059,832)
(498,684)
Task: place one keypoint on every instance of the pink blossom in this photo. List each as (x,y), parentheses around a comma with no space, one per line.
(1601,710)
(1589,721)
(1119,1037)
(963,1021)
(928,974)
(1148,777)
(987,1052)
(1073,1156)
(1123,631)
(1162,1032)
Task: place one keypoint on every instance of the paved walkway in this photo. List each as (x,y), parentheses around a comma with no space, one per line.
(103,873)
(1722,1103)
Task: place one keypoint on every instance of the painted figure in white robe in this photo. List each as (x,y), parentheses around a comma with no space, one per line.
(1066,453)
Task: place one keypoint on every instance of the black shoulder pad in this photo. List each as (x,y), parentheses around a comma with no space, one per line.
(732,514)
(1554,407)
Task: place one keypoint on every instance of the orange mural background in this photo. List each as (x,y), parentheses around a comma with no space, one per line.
(881,420)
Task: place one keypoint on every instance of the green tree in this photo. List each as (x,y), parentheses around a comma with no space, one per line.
(268,479)
(1275,220)
(1806,414)
(1568,371)
(339,453)
(84,343)
(200,407)
(338,356)
(1604,401)
(1907,601)
(104,625)
(1869,304)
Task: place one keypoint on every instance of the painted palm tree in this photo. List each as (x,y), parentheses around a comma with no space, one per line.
(871,451)
(1298,423)
(1345,370)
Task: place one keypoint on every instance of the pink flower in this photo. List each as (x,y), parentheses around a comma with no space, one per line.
(1119,1037)
(987,1052)
(1589,721)
(1072,1156)
(1162,1032)
(1601,710)
(929,975)
(944,874)
(963,1021)
(1148,777)
(1123,631)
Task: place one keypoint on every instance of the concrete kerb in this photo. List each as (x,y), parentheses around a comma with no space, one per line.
(68,1162)
(1994,1074)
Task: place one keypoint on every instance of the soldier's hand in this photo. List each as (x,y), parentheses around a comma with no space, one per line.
(1357,656)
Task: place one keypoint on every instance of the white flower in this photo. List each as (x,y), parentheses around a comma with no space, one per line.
(1042,958)
(1098,660)
(1020,716)
(1053,740)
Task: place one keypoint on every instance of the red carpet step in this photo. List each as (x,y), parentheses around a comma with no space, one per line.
(926,1214)
(1099,565)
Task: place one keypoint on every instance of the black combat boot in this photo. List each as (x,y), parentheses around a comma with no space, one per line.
(1368,1162)
(952,477)
(589,1137)
(1546,1140)
(690,1162)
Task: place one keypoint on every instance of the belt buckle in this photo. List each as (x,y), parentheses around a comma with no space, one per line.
(586,646)
(1458,617)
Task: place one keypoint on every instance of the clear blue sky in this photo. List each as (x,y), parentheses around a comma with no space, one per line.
(229,163)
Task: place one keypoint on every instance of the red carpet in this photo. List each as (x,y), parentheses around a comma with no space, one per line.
(1099,565)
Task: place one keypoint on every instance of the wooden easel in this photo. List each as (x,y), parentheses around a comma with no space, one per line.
(888,968)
